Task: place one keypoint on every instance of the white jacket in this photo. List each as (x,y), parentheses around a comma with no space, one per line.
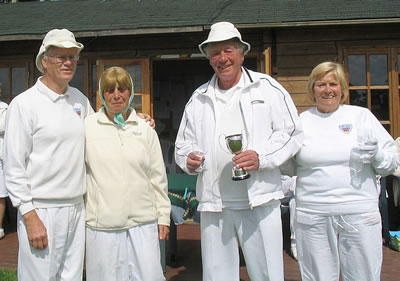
(273,128)
(126,180)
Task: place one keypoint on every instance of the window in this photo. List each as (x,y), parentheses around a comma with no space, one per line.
(13,79)
(370,85)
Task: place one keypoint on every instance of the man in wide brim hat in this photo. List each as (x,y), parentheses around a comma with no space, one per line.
(44,165)
(223,31)
(238,101)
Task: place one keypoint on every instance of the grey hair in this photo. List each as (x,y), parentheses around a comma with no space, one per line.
(236,42)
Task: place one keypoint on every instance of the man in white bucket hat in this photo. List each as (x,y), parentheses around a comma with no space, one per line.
(44,165)
(237,101)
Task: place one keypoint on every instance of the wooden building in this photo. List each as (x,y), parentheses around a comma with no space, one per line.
(156,40)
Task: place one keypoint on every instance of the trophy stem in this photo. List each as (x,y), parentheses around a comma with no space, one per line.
(239,174)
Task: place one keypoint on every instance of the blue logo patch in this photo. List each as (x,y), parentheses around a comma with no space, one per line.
(346,128)
(78,108)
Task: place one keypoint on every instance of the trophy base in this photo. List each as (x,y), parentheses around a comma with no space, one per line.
(239,178)
(239,174)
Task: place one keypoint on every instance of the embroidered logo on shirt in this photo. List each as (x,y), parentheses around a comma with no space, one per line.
(257,101)
(137,133)
(346,128)
(78,108)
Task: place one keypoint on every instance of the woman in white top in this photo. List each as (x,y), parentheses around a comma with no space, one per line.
(338,224)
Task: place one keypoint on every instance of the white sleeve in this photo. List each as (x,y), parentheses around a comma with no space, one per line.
(16,151)
(185,137)
(3,110)
(397,171)
(287,133)
(386,146)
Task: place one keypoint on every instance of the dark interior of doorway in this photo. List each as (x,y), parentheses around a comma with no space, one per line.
(173,83)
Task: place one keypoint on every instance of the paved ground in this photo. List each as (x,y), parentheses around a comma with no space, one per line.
(187,263)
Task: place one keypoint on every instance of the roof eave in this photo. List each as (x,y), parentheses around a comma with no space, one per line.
(319,23)
(200,28)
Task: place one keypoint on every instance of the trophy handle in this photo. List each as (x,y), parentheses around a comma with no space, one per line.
(223,147)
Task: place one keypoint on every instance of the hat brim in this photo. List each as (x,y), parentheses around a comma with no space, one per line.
(64,45)
(203,45)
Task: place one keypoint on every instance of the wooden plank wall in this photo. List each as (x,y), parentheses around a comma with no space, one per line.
(296,57)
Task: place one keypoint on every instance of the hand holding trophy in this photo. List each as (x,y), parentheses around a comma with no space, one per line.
(234,144)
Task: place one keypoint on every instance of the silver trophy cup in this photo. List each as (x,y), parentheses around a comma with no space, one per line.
(235,144)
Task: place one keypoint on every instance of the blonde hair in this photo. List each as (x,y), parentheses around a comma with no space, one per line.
(112,76)
(321,70)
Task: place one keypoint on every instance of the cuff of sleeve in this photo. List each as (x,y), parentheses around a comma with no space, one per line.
(164,221)
(25,208)
(262,161)
(379,157)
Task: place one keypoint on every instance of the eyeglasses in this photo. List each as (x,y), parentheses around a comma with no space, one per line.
(62,59)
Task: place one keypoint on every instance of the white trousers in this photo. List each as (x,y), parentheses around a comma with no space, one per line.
(292,217)
(122,255)
(259,233)
(62,259)
(3,190)
(350,244)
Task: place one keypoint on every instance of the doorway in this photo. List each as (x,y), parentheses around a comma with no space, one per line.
(173,84)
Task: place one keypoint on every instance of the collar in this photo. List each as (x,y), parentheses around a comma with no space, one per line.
(246,81)
(53,96)
(103,118)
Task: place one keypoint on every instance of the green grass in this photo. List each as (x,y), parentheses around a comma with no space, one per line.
(11,275)
(8,275)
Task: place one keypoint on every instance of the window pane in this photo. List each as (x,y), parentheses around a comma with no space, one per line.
(135,70)
(380,104)
(137,103)
(398,64)
(398,68)
(17,80)
(77,81)
(359,97)
(378,70)
(4,84)
(357,70)
(94,81)
(387,127)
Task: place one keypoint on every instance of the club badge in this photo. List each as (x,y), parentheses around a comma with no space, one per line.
(346,128)
(78,109)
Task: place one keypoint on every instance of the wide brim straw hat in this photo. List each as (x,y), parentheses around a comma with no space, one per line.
(222,31)
(61,38)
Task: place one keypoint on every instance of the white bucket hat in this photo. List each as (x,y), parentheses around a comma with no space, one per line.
(222,31)
(62,38)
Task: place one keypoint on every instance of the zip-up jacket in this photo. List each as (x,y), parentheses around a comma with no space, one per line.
(273,128)
(126,180)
